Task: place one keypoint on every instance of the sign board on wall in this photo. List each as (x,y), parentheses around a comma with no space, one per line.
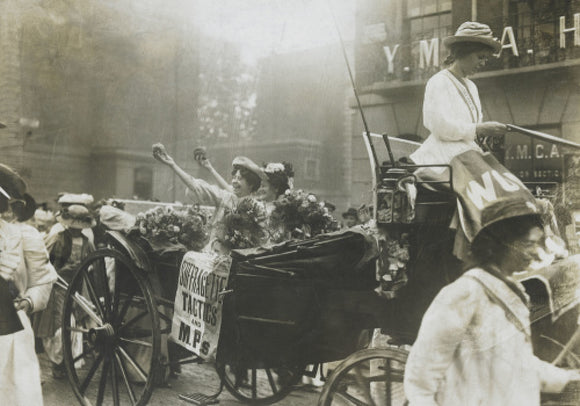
(533,160)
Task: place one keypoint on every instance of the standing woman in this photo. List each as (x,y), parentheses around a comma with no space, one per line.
(451,107)
(474,345)
(27,276)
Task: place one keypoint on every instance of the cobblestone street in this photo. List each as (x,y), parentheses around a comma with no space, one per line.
(194,378)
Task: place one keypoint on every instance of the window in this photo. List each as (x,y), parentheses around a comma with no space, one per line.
(143,183)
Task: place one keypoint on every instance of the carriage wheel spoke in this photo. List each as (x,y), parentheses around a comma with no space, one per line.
(91,373)
(85,305)
(364,385)
(93,295)
(77,329)
(119,318)
(271,380)
(351,399)
(137,342)
(114,383)
(135,319)
(103,381)
(388,387)
(101,279)
(83,355)
(125,378)
(254,384)
(133,363)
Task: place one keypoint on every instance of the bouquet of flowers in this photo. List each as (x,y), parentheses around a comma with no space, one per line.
(244,226)
(300,215)
(186,225)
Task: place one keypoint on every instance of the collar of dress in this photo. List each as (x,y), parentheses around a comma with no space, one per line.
(498,291)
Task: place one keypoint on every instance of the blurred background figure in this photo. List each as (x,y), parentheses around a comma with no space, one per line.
(350,217)
(26,279)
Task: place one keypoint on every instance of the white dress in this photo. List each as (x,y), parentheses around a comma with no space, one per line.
(451,111)
(23,260)
(470,350)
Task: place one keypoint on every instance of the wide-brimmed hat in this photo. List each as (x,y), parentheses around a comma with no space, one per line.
(472,31)
(116,219)
(247,163)
(507,208)
(83,199)
(351,211)
(13,188)
(76,216)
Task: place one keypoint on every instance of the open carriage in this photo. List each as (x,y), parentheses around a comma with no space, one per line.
(285,307)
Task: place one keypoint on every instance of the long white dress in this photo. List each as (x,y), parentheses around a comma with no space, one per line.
(24,261)
(451,111)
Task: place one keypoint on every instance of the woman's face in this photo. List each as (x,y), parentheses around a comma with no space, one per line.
(240,185)
(523,252)
(267,193)
(473,62)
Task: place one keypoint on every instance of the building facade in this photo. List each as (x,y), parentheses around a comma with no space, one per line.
(534,82)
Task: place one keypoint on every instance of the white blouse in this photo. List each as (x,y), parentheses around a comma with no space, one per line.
(451,111)
(24,261)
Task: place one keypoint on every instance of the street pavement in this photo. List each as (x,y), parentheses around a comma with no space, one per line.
(194,378)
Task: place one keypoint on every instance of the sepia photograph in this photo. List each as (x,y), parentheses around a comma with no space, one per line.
(290,202)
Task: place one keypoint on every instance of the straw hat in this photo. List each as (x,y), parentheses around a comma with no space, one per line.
(471,31)
(83,199)
(76,216)
(247,163)
(116,219)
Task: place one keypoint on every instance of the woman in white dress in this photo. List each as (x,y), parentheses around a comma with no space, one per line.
(26,270)
(451,107)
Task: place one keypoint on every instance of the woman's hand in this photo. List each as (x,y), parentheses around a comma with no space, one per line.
(161,154)
(24,304)
(200,155)
(490,129)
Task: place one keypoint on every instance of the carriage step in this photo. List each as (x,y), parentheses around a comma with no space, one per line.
(199,399)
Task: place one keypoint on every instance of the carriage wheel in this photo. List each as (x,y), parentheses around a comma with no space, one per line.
(111,337)
(259,386)
(372,377)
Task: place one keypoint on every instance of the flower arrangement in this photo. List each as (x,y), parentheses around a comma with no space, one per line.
(393,262)
(244,226)
(300,215)
(186,225)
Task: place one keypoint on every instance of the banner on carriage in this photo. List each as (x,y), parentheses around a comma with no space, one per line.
(479,180)
(198,304)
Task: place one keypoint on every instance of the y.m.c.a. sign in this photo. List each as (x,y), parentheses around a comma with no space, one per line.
(533,160)
(429,49)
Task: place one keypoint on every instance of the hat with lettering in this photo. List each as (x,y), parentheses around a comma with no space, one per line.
(471,31)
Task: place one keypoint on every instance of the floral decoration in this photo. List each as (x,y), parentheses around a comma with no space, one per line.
(300,215)
(244,226)
(186,225)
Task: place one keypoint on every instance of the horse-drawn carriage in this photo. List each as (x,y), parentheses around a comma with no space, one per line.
(286,306)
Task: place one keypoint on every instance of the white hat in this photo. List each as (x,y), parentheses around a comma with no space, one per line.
(76,198)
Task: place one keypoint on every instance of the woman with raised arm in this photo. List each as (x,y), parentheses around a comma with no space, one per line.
(451,107)
(246,180)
